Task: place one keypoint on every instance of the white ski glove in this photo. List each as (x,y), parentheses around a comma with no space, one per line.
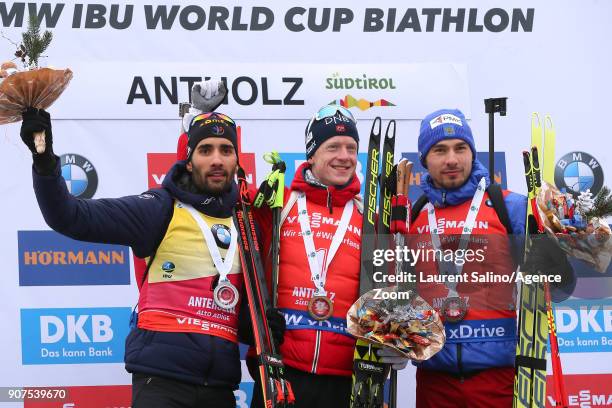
(390,356)
(209,88)
(206,96)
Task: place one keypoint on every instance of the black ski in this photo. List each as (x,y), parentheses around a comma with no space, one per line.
(277,391)
(365,364)
(383,240)
(368,229)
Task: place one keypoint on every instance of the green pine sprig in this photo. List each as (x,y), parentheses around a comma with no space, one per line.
(34,43)
(602,205)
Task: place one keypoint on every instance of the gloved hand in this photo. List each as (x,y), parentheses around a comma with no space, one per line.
(390,356)
(206,96)
(277,324)
(547,258)
(37,120)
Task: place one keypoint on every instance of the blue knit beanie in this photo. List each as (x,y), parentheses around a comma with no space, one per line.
(442,125)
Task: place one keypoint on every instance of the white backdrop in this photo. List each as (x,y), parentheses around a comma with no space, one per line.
(111,115)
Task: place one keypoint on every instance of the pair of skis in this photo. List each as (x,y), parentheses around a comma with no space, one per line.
(369,373)
(535,315)
(277,391)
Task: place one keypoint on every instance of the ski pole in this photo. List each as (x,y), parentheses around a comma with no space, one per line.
(493,105)
(399,240)
(276,207)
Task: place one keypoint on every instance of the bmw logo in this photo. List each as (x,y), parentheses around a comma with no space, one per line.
(577,172)
(168,267)
(80,175)
(222,235)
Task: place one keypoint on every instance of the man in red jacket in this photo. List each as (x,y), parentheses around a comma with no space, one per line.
(320,263)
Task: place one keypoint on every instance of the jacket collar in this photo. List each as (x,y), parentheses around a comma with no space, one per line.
(317,192)
(440,197)
(178,183)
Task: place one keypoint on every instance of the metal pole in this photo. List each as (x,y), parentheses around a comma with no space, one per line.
(493,105)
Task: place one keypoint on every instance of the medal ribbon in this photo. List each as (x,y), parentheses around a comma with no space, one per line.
(444,267)
(223,266)
(317,272)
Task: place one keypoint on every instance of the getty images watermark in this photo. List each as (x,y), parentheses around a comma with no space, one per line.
(449,263)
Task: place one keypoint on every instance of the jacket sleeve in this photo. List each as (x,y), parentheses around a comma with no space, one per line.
(137,221)
(516,204)
(517,211)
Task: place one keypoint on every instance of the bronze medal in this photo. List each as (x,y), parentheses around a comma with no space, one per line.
(454,309)
(320,308)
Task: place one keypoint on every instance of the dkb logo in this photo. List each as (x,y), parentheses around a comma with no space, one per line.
(74,336)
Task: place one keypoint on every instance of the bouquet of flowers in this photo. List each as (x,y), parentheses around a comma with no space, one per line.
(578,224)
(411,327)
(33,86)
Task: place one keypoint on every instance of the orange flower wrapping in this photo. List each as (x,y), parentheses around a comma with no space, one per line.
(37,88)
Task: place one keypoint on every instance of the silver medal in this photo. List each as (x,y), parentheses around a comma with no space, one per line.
(226,295)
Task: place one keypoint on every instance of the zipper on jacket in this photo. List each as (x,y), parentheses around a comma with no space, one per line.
(459,362)
(212,354)
(315,359)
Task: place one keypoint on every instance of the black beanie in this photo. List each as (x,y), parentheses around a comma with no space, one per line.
(210,125)
(318,131)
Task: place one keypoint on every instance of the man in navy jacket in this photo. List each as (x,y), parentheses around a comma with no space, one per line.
(184,349)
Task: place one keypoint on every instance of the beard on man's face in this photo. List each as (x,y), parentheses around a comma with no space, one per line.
(208,185)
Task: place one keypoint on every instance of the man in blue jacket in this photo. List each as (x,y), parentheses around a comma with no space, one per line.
(183,352)
(463,210)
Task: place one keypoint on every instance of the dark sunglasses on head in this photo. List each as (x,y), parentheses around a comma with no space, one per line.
(213,115)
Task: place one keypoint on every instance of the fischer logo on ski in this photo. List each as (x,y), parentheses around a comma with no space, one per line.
(372,184)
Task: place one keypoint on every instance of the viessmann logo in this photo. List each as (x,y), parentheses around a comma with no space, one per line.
(444,224)
(47,258)
(583,390)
